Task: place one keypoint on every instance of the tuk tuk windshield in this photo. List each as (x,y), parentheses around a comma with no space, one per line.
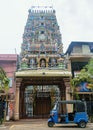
(55,106)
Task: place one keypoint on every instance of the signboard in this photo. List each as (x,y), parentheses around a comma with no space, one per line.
(84,87)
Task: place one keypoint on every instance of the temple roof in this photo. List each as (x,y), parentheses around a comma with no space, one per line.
(42,8)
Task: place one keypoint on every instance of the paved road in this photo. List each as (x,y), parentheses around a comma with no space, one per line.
(39,125)
(44,127)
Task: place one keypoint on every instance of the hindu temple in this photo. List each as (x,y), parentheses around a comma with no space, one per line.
(43,76)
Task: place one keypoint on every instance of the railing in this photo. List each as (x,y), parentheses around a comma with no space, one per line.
(81,54)
(35,67)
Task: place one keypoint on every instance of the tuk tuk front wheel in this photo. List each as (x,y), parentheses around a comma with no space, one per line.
(82,124)
(50,124)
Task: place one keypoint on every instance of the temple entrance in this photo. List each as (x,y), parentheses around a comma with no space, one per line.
(44,106)
(37,100)
(37,95)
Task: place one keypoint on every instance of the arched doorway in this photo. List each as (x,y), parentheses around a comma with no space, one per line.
(38,100)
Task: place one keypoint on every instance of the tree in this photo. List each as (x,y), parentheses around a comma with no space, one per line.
(89,67)
(85,75)
(4,86)
(4,81)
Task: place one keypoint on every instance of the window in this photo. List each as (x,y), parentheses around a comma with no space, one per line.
(85,49)
(10,82)
(42,24)
(42,32)
(77,49)
(53,25)
(42,17)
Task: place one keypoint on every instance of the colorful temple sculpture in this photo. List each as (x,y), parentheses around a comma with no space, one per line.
(42,45)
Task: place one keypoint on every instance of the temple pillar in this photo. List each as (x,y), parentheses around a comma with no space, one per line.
(69,65)
(68,96)
(67,86)
(16,111)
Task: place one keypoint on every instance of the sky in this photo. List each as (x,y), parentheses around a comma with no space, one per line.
(75,19)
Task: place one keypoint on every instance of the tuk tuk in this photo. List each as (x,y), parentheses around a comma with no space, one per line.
(72,111)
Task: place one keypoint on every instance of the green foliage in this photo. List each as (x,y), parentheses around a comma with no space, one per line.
(82,77)
(4,81)
(85,75)
(89,67)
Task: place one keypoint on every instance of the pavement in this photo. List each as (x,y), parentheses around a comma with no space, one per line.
(34,124)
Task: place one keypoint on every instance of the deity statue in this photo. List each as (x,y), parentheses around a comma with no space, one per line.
(42,63)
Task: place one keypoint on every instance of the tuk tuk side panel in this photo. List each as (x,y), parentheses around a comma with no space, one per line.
(53,116)
(66,119)
(80,116)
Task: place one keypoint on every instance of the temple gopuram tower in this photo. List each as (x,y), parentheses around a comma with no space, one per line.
(42,44)
(42,77)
